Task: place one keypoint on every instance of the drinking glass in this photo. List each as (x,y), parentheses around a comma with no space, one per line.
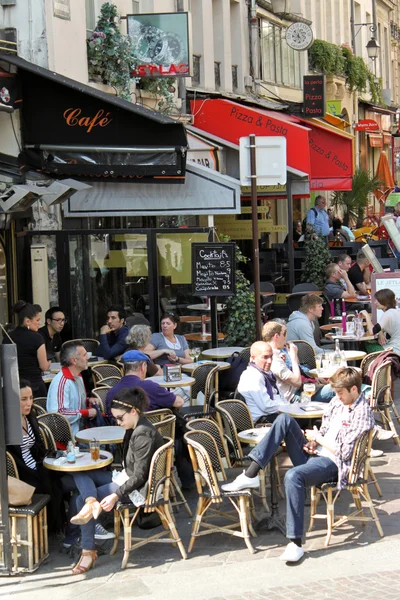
(309,391)
(95,450)
(197,353)
(192,354)
(325,363)
(318,363)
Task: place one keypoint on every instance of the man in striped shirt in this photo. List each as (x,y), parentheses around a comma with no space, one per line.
(67,394)
(317,456)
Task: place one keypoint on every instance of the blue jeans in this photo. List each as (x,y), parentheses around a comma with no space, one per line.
(308,470)
(97,484)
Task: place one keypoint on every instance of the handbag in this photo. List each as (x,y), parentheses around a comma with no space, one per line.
(19,492)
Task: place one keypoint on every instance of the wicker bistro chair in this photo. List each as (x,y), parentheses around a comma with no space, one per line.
(59,427)
(100,394)
(108,381)
(38,410)
(200,374)
(101,372)
(29,541)
(381,400)
(365,365)
(200,445)
(155,416)
(212,427)
(357,486)
(157,500)
(306,353)
(166,427)
(90,345)
(41,401)
(47,437)
(210,390)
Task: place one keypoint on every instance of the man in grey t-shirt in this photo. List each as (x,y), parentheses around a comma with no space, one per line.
(333,287)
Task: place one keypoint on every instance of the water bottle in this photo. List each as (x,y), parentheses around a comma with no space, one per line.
(344,317)
(337,357)
(71,458)
(343,362)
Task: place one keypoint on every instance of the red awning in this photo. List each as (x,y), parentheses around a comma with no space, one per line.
(312,148)
(331,156)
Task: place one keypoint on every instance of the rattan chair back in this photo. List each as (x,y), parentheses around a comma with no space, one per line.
(89,344)
(103,371)
(239,412)
(159,476)
(366,363)
(154,416)
(306,353)
(101,394)
(361,452)
(41,401)
(166,427)
(47,437)
(205,476)
(200,374)
(230,432)
(108,381)
(381,385)
(12,470)
(38,410)
(210,426)
(245,354)
(58,425)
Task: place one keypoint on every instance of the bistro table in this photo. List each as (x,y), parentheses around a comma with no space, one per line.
(273,519)
(327,373)
(184,381)
(205,307)
(83,463)
(48,377)
(198,337)
(359,299)
(298,410)
(55,367)
(189,367)
(109,434)
(351,340)
(222,352)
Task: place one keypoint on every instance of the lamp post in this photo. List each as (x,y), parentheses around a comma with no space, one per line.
(373,49)
(281,7)
(373,45)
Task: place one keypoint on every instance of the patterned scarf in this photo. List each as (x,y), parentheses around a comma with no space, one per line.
(270,380)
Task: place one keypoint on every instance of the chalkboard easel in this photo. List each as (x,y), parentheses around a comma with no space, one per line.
(213,274)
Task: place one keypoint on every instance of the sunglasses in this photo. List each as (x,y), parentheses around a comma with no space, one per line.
(120,418)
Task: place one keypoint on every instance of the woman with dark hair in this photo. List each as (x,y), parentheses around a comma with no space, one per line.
(29,460)
(388,322)
(31,348)
(338,234)
(167,346)
(140,443)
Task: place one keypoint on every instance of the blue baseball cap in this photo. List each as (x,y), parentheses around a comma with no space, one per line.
(134,355)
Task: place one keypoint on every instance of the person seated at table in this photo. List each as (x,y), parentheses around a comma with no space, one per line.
(289,380)
(67,394)
(359,272)
(140,442)
(138,338)
(317,456)
(344,261)
(113,334)
(301,322)
(258,385)
(167,346)
(135,368)
(334,289)
(337,233)
(388,322)
(343,230)
(31,349)
(55,321)
(297,232)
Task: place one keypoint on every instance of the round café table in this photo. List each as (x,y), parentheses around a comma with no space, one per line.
(327,373)
(312,410)
(83,463)
(351,340)
(189,367)
(222,352)
(198,337)
(55,367)
(109,434)
(184,381)
(205,307)
(359,299)
(351,354)
(48,377)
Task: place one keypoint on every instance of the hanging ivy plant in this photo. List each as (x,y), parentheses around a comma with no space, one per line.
(326,58)
(111,59)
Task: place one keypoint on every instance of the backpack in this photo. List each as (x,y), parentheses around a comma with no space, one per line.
(304,221)
(229,378)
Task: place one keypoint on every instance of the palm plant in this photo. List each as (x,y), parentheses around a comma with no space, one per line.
(354,202)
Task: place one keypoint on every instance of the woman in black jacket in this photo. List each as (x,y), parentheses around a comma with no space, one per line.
(140,443)
(29,460)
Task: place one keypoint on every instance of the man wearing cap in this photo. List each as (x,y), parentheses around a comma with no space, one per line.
(135,367)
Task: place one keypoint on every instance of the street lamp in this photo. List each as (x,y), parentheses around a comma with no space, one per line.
(373,49)
(281,7)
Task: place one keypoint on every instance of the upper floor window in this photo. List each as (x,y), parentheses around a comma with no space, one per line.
(279,63)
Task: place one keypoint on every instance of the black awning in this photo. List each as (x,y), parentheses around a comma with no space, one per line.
(69,128)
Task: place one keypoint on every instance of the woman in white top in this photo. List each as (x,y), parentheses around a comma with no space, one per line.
(167,346)
(388,323)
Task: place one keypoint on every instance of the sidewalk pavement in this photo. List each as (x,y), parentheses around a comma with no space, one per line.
(357,564)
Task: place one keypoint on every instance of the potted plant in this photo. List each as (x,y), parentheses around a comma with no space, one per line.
(316,259)
(354,202)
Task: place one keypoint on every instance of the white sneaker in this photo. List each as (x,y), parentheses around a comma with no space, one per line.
(293,553)
(376,453)
(242,482)
(382,434)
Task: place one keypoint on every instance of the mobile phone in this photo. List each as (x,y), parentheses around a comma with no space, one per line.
(54,454)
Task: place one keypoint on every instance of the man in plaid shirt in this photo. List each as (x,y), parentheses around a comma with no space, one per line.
(318,456)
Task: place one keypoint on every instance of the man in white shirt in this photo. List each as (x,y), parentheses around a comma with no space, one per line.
(258,385)
(288,376)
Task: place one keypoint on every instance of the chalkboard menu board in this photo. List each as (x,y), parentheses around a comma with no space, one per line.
(213,269)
